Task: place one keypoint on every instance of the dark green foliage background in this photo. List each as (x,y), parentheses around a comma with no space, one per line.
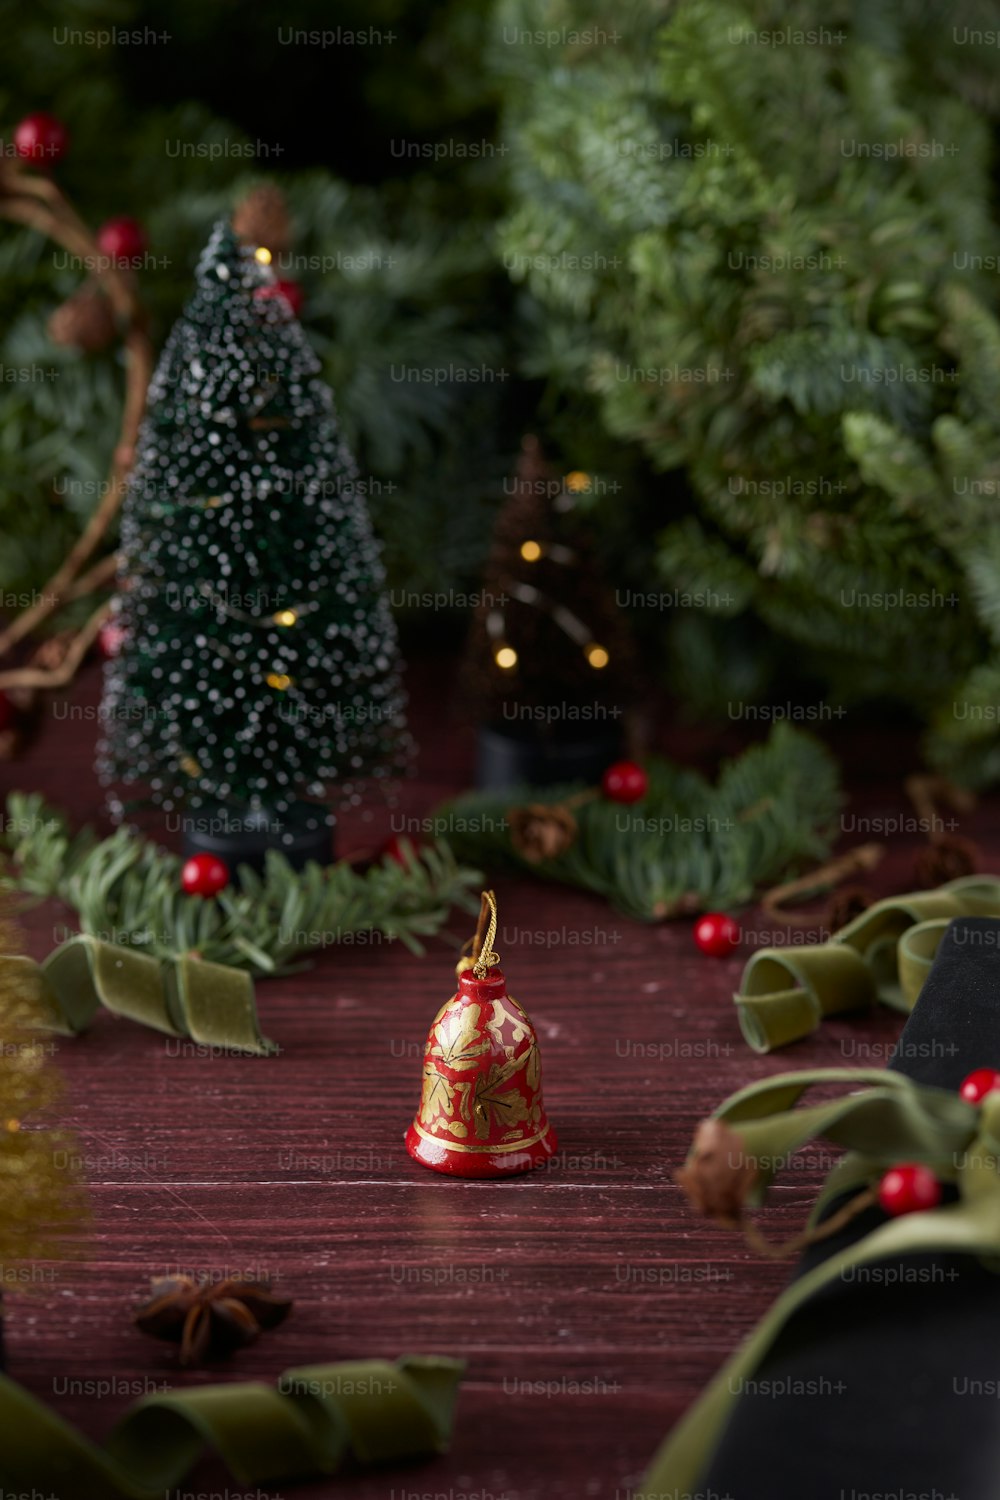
(899,458)
(433,294)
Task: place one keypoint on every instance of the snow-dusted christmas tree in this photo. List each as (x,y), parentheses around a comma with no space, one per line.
(258,665)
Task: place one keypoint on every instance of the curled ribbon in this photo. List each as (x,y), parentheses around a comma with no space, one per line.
(377,1411)
(884,954)
(210,1003)
(894,1120)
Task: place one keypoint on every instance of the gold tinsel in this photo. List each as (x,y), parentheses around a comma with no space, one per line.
(261,218)
(41,1195)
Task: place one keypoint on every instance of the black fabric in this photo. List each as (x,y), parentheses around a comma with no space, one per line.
(889,1388)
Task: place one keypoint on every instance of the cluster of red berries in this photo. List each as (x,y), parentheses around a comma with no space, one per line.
(911,1187)
(43,140)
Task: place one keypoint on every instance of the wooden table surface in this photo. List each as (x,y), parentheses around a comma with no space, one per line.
(590,1304)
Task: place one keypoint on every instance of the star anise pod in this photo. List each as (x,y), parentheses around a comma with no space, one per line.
(208,1318)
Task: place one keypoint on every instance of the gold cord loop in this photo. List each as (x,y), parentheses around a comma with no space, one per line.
(485,958)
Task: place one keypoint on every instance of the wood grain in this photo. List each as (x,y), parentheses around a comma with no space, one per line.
(589,1303)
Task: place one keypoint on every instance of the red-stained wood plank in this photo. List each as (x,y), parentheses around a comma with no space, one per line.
(590,1304)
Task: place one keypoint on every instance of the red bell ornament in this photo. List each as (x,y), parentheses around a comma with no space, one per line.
(481,1112)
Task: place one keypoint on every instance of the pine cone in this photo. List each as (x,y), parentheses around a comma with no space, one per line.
(541,831)
(84,321)
(946,858)
(261,218)
(718,1175)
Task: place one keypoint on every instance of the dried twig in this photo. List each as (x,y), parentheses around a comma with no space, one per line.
(94,578)
(33,199)
(946,855)
(63,674)
(864,857)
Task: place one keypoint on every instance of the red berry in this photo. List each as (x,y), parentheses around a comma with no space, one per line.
(290,290)
(980,1082)
(401,850)
(204,875)
(624,782)
(41,138)
(716,934)
(122,239)
(8,713)
(908,1189)
(110,639)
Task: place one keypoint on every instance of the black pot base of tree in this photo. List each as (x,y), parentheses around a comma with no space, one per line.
(506,760)
(303,834)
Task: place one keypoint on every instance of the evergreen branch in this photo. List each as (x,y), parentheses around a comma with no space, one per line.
(688,846)
(127,890)
(805,321)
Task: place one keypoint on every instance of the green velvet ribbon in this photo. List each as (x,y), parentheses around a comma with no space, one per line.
(306,1426)
(210,1003)
(884,954)
(894,1120)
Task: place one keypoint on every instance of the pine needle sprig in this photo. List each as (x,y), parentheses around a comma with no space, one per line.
(688,845)
(125,889)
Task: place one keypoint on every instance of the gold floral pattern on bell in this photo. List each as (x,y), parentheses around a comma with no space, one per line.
(481,1112)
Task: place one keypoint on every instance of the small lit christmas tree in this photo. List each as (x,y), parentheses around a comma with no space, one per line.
(258,664)
(549,668)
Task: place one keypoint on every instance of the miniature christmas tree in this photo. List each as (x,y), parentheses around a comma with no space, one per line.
(258,660)
(549,666)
